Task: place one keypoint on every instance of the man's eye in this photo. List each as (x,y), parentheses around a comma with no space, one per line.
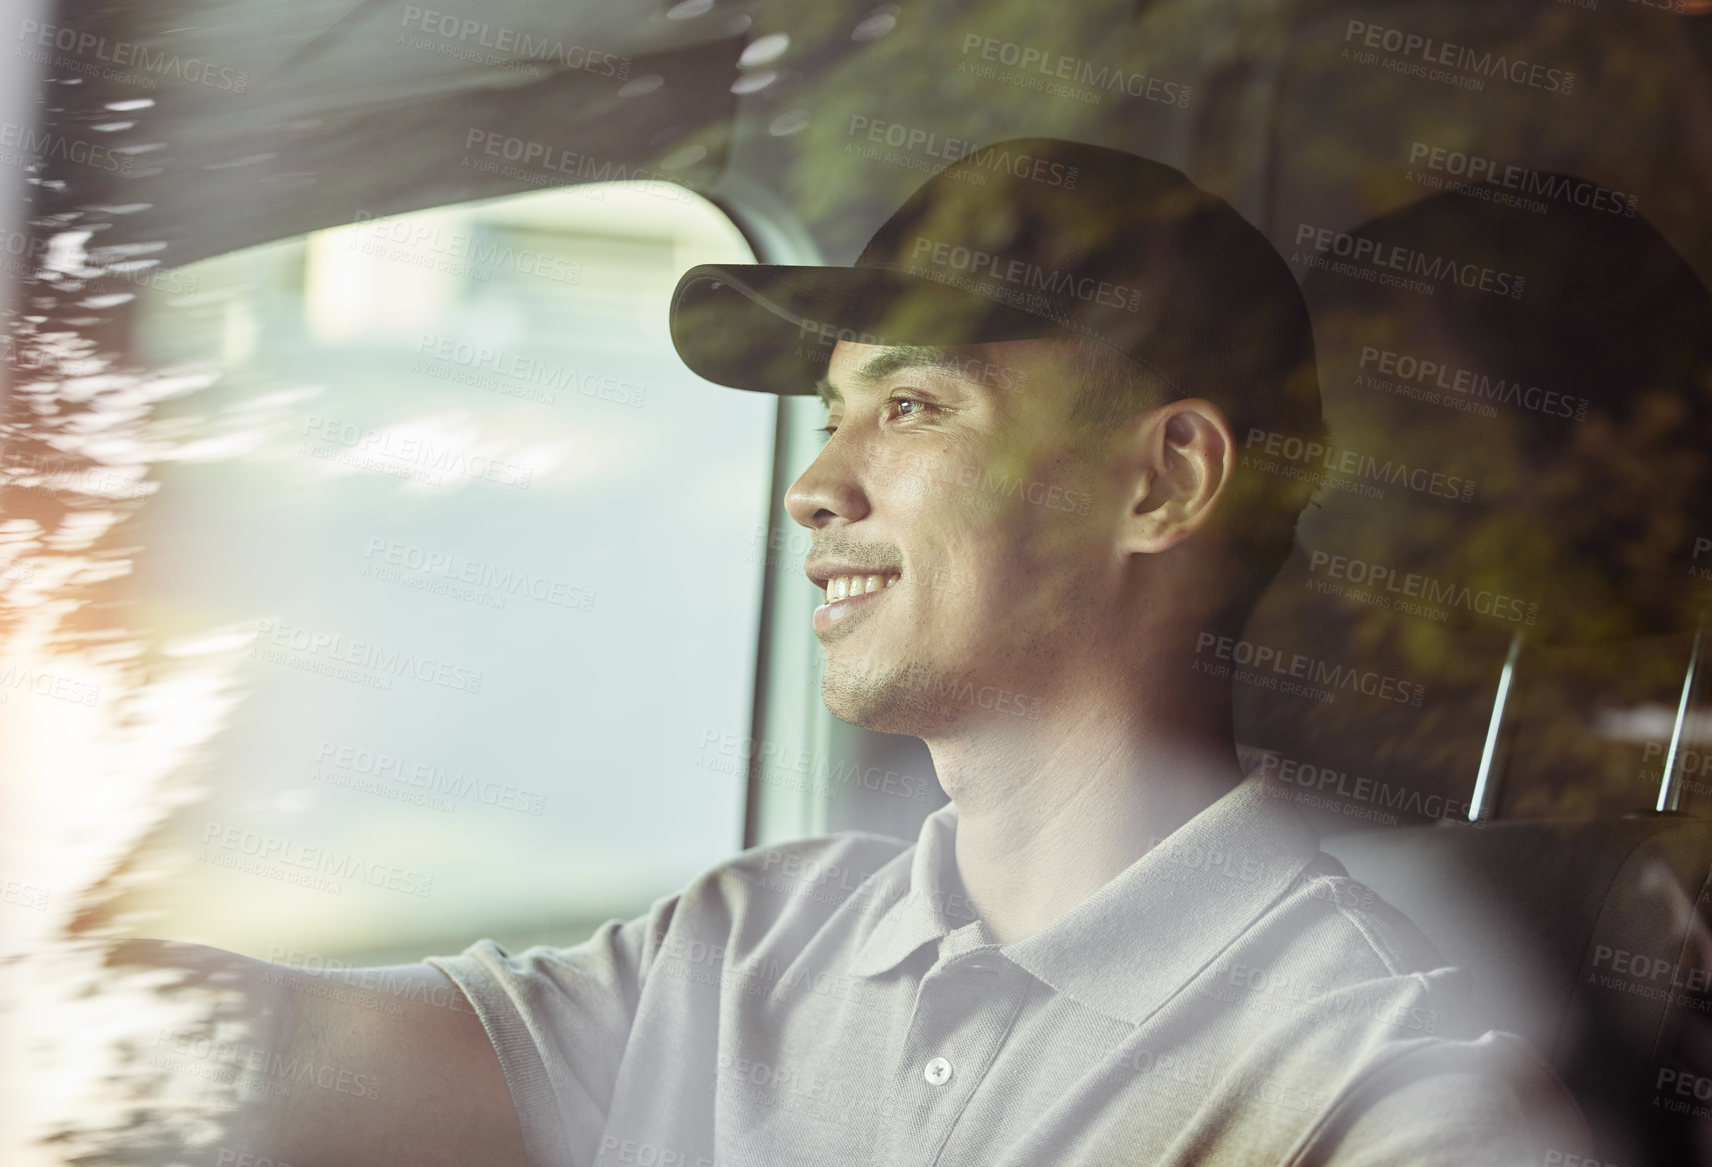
(909,406)
(896,407)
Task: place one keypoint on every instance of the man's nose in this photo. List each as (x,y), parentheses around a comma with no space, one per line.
(828,490)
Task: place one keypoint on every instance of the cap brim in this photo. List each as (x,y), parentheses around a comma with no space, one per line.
(772,327)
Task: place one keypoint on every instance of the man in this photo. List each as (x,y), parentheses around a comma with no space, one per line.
(1029,518)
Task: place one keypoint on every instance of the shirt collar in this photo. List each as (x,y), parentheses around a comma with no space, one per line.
(1130,946)
(927,905)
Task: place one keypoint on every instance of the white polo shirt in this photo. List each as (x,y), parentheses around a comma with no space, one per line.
(1232,997)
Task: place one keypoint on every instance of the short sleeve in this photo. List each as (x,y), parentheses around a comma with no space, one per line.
(559,1019)
(1485,1103)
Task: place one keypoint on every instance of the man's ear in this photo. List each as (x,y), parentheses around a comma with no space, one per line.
(1184,453)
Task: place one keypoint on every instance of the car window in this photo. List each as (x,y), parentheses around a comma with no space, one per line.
(450,564)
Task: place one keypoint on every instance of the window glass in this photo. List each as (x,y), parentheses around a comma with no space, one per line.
(467,560)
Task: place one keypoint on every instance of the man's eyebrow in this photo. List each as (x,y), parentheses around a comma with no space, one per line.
(893,360)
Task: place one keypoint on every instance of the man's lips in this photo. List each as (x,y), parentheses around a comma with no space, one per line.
(848,590)
(840,581)
(835,612)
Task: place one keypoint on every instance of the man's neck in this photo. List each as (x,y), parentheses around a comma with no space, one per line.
(1048,816)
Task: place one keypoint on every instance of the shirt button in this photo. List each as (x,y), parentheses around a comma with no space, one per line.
(937,1072)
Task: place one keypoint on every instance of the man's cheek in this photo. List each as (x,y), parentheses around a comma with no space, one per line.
(1060,530)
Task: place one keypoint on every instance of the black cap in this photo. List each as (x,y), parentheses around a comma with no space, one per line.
(1035,237)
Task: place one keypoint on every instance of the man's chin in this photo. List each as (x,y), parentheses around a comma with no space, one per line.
(868,698)
(887,699)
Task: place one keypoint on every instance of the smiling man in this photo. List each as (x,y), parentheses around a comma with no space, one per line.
(1030,517)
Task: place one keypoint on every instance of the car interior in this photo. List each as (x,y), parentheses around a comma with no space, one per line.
(336,337)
